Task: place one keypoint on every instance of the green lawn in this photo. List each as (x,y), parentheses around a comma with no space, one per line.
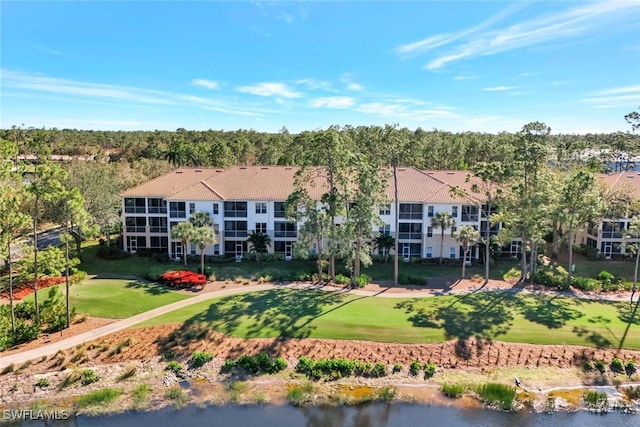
(536,319)
(116,298)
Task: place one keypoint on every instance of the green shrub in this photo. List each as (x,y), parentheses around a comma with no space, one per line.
(341,279)
(379,370)
(453,390)
(362,369)
(363,280)
(429,370)
(406,279)
(386,394)
(261,363)
(199,358)
(500,395)
(397,368)
(89,377)
(98,398)
(630,367)
(616,365)
(554,277)
(174,366)
(585,283)
(414,368)
(587,365)
(600,366)
(227,366)
(42,382)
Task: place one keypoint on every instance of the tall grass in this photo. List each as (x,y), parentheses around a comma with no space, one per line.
(98,397)
(497,395)
(453,390)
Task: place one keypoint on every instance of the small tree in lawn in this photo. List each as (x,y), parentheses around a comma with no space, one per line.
(259,243)
(203,237)
(442,220)
(385,242)
(183,232)
(468,236)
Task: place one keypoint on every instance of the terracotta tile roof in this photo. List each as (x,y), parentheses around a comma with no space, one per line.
(623,181)
(276,183)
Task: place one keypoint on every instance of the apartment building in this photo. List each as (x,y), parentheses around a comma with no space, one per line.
(608,234)
(241,199)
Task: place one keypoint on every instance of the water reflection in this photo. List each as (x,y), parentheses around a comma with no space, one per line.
(371,415)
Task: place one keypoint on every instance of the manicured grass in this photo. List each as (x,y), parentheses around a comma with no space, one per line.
(116,298)
(512,317)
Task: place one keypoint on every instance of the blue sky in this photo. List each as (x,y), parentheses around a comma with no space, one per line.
(456,66)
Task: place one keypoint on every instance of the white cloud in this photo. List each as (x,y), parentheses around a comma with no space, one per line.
(332,102)
(465,78)
(616,96)
(354,86)
(41,83)
(617,90)
(498,88)
(574,22)
(230,111)
(432,42)
(313,84)
(209,84)
(269,89)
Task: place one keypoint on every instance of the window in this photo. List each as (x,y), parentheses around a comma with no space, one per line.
(158,244)
(235,209)
(385,229)
(279,210)
(430,211)
(135,224)
(192,249)
(612,230)
(216,249)
(261,227)
(177,210)
(453,231)
(454,211)
(409,250)
(234,247)
(385,210)
(410,211)
(136,242)
(285,229)
(192,208)
(157,206)
(235,229)
(469,213)
(429,252)
(410,230)
(157,224)
(261,208)
(216,209)
(452,253)
(134,205)
(429,231)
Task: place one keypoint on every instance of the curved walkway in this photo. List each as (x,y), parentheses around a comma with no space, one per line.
(49,349)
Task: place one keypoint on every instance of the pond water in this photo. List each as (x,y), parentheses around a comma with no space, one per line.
(369,415)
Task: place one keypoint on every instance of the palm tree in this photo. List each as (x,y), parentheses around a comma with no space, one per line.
(442,220)
(259,243)
(183,232)
(203,237)
(385,242)
(634,232)
(467,235)
(201,219)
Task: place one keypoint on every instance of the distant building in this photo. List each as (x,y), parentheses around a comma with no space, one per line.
(241,199)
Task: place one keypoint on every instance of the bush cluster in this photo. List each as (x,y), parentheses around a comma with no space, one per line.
(182,279)
(407,279)
(499,395)
(199,358)
(261,363)
(603,281)
(616,366)
(333,369)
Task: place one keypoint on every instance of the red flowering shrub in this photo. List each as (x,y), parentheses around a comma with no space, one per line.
(183,279)
(23,289)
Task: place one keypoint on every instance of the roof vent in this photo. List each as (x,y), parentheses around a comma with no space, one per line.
(198,170)
(449,173)
(288,169)
(264,169)
(242,167)
(178,171)
(401,169)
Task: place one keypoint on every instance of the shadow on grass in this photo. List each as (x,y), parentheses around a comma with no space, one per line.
(548,310)
(282,313)
(148,287)
(485,315)
(628,313)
